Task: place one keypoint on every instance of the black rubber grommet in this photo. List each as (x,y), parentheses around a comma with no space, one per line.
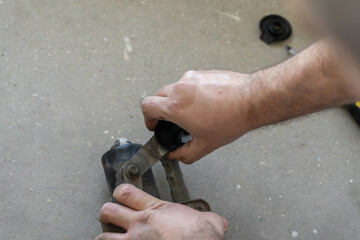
(274,28)
(169,135)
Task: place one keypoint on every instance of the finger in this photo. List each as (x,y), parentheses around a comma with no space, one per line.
(117,215)
(163,92)
(226,224)
(151,123)
(112,236)
(154,108)
(189,152)
(219,222)
(134,198)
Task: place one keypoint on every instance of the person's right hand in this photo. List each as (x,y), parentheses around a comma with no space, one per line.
(212,106)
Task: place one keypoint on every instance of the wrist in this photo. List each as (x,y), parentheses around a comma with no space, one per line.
(311,81)
(257,104)
(244,110)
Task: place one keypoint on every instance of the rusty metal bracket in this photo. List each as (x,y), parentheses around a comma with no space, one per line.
(142,161)
(198,204)
(131,163)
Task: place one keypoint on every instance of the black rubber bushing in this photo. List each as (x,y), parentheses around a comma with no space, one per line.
(275,28)
(169,135)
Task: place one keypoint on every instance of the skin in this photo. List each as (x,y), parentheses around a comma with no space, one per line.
(146,217)
(216,108)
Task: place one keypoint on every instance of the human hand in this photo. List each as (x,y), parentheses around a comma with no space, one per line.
(148,218)
(210,105)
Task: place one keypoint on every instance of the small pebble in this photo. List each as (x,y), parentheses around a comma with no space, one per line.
(294,234)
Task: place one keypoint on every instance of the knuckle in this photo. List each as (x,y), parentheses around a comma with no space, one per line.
(123,192)
(226,223)
(106,210)
(179,157)
(174,107)
(189,74)
(181,86)
(186,160)
(143,217)
(182,155)
(144,103)
(102,236)
(177,103)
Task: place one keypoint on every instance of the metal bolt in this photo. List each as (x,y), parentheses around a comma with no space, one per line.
(132,171)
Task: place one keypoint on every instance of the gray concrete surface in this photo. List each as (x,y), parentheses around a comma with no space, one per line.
(73,74)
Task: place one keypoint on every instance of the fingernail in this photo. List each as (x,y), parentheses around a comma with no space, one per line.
(226,224)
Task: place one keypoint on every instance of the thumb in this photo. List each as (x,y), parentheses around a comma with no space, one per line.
(189,152)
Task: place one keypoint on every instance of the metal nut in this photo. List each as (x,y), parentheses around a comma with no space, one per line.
(132,171)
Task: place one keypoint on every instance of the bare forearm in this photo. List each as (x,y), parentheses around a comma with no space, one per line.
(315,79)
(217,107)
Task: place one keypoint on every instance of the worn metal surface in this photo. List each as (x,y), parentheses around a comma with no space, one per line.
(137,182)
(198,204)
(113,161)
(143,160)
(174,176)
(147,156)
(125,162)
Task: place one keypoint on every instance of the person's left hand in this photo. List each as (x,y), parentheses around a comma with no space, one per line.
(148,218)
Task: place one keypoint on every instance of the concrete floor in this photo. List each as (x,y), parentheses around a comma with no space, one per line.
(73,74)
